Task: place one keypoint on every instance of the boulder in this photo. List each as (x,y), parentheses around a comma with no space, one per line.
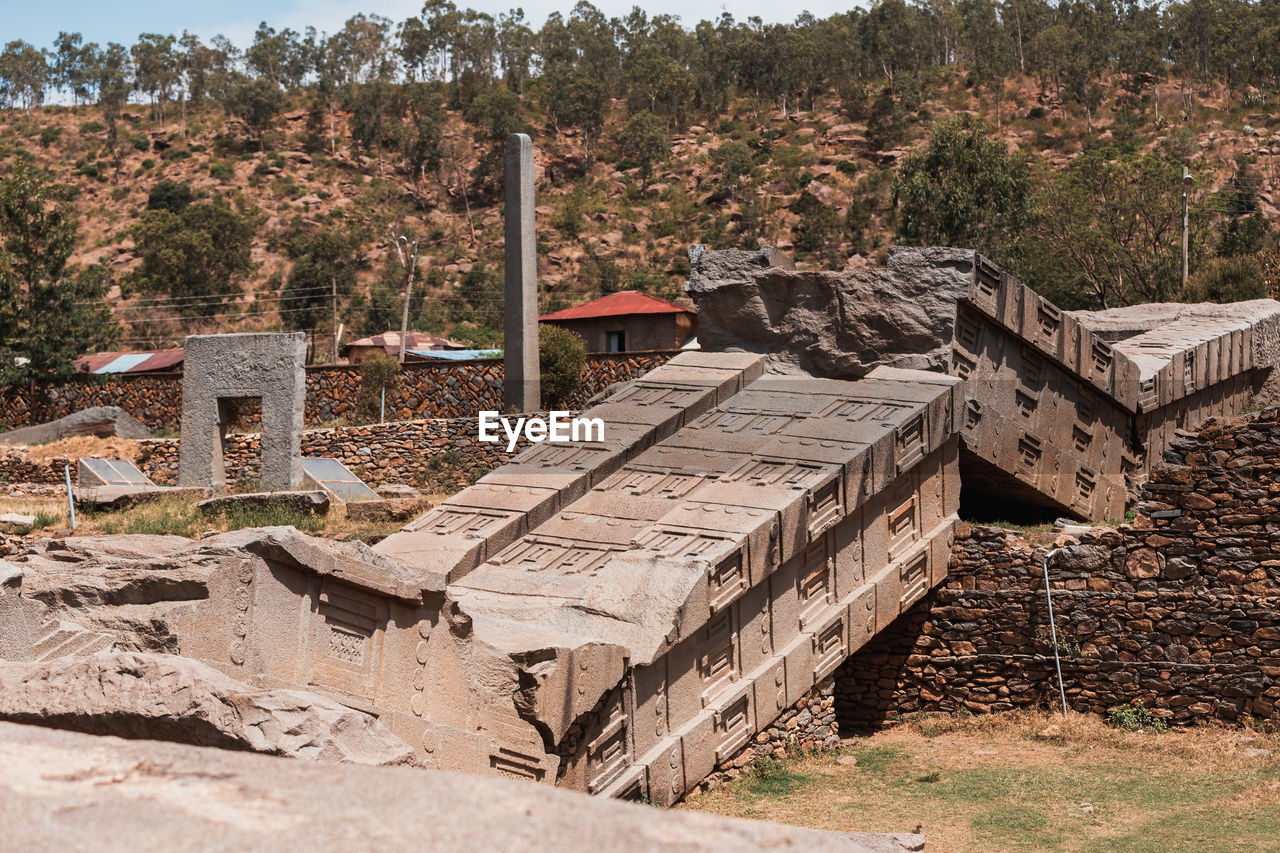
(122,497)
(65,790)
(310,502)
(165,697)
(840,325)
(101,421)
(390,509)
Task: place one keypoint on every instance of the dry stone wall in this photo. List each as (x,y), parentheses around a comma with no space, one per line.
(438,455)
(1180,610)
(432,390)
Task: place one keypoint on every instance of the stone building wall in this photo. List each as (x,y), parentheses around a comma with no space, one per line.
(1180,610)
(427,390)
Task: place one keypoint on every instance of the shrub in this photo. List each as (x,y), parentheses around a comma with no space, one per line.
(377,371)
(50,135)
(140,142)
(1233,279)
(1136,718)
(220,171)
(561,354)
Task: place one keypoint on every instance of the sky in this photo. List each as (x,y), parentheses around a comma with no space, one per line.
(123,20)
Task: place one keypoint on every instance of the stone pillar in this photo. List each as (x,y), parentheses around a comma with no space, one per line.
(521,391)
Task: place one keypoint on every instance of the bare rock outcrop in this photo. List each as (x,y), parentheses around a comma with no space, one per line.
(166,697)
(63,790)
(100,421)
(840,325)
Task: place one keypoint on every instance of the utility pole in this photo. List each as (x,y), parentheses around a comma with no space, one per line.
(411,248)
(333,279)
(1186,221)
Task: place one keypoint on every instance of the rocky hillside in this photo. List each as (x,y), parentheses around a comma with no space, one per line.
(601,224)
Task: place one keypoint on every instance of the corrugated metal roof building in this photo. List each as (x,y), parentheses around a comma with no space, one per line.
(153,361)
(389,343)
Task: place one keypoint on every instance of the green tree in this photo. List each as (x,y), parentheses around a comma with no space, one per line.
(1229,279)
(1109,230)
(735,162)
(645,142)
(170,195)
(24,74)
(256,102)
(964,189)
(50,312)
(201,253)
(325,263)
(561,354)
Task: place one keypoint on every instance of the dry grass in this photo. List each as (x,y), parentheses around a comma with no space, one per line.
(82,447)
(178,516)
(1029,781)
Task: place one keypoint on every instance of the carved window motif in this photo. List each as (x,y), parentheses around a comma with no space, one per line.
(608,754)
(517,765)
(734,726)
(1029,452)
(1102,356)
(727,581)
(1026,404)
(774,472)
(961,365)
(825,508)
(1048,320)
(1081,438)
(986,281)
(829,649)
(718,666)
(968,333)
(814,580)
(1034,371)
(911,443)
(972,414)
(1086,406)
(342,642)
(1189,372)
(904,523)
(915,579)
(547,554)
(1148,393)
(450,521)
(668,542)
(1086,486)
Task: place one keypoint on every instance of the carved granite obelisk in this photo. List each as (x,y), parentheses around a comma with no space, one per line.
(521,391)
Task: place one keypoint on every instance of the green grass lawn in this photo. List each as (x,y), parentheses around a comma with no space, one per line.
(994,785)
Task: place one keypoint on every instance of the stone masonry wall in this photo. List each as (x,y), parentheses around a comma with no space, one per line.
(427,390)
(436,455)
(1180,610)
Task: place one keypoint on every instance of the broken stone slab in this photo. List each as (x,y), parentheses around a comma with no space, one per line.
(166,697)
(388,509)
(123,497)
(835,324)
(397,490)
(310,502)
(100,421)
(16,520)
(66,790)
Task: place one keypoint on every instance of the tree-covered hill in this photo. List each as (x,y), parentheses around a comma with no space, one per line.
(223,187)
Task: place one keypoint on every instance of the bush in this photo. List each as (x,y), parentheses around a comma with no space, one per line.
(377,371)
(1232,279)
(561,354)
(1136,718)
(221,171)
(49,135)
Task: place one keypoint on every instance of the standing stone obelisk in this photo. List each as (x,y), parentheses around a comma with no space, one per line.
(521,388)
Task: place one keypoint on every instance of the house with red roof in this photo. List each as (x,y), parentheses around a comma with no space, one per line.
(628,321)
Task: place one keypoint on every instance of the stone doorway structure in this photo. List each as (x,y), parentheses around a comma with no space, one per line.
(221,371)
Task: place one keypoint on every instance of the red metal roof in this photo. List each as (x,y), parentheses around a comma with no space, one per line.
(618,304)
(131,362)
